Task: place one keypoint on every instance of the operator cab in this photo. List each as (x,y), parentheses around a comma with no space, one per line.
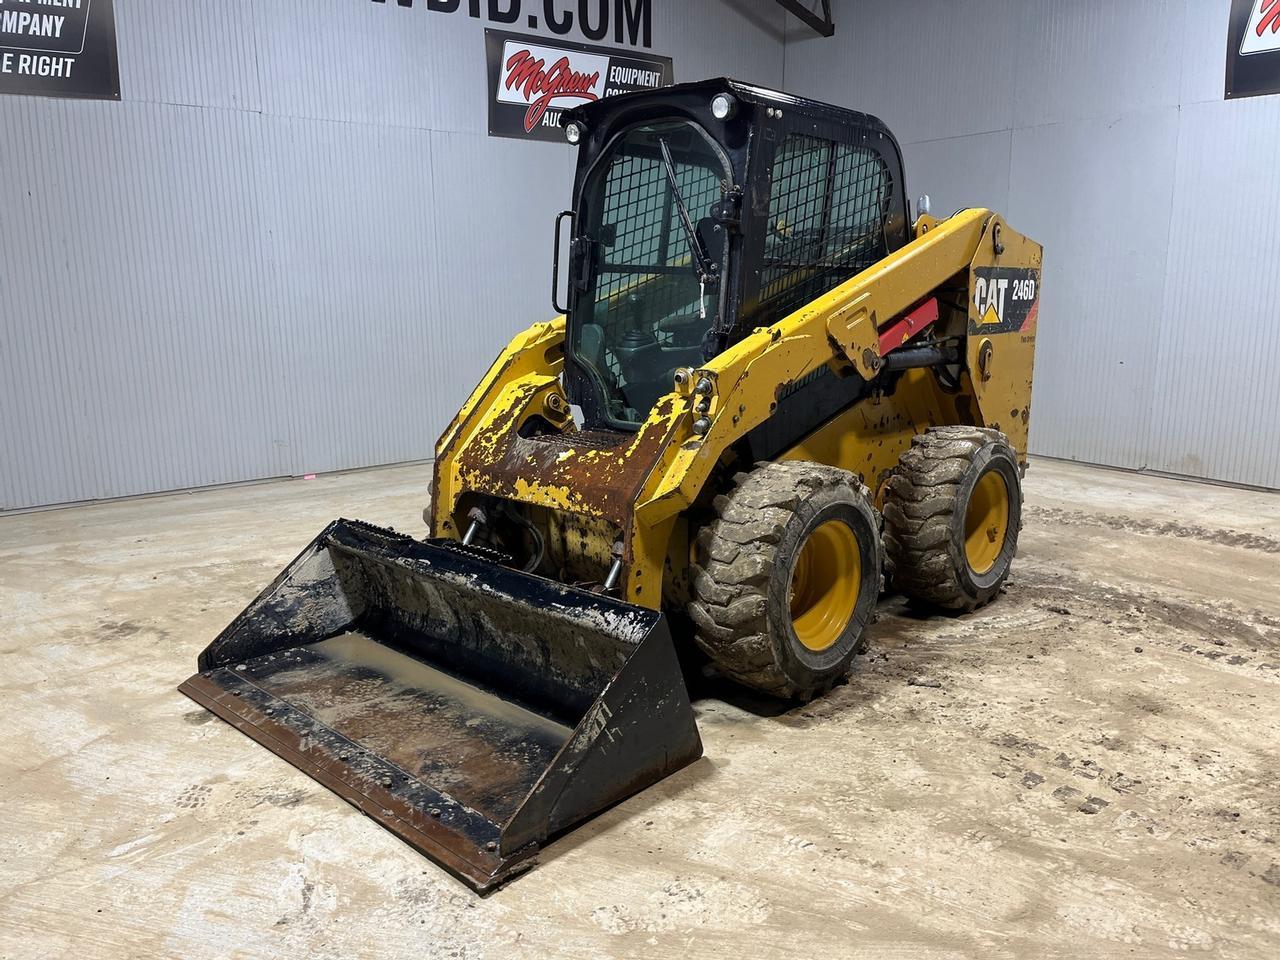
(702,211)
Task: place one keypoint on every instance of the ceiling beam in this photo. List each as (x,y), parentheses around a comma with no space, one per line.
(820,22)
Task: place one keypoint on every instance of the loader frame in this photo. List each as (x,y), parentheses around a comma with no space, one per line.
(642,484)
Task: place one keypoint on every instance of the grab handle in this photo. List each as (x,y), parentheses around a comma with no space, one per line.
(555,263)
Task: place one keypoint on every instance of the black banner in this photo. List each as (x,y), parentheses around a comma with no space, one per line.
(1253,48)
(631,19)
(533,80)
(59,48)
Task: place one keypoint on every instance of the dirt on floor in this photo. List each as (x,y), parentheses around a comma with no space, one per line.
(1089,767)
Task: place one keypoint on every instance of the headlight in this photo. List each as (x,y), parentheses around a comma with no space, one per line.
(573,133)
(723,106)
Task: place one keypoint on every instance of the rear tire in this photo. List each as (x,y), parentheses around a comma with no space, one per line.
(786,579)
(952,512)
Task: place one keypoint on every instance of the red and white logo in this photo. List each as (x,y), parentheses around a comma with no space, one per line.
(546,77)
(1262,35)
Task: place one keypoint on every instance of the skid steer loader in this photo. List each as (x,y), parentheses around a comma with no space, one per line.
(768,386)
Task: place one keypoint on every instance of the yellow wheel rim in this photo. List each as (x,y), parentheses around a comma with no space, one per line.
(986,521)
(825,583)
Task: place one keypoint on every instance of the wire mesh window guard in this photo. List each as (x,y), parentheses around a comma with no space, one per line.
(827,208)
(647,314)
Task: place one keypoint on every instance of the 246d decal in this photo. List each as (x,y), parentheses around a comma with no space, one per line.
(1004,299)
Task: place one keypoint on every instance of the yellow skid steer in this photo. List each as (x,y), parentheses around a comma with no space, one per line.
(768,388)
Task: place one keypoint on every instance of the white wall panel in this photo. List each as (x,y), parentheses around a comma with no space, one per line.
(295,206)
(348,221)
(1204,49)
(189,53)
(742,39)
(960,171)
(361,62)
(492,249)
(1104,221)
(1096,58)
(133,359)
(385,64)
(1217,337)
(928,69)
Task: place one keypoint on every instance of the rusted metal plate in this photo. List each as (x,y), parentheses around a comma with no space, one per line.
(595,478)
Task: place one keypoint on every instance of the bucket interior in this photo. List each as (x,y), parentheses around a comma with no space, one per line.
(463,739)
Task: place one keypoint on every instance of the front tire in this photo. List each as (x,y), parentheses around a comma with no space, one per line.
(786,579)
(952,512)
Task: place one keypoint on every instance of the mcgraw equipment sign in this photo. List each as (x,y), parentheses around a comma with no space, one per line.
(1253,48)
(533,80)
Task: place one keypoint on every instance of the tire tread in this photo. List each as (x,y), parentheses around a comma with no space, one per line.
(921,500)
(733,565)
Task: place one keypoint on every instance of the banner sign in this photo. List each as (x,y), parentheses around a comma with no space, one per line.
(1253,48)
(533,80)
(59,48)
(632,20)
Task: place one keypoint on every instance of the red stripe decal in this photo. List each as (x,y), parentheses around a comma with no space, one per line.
(911,323)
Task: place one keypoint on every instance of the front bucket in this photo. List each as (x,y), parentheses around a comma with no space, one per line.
(473,710)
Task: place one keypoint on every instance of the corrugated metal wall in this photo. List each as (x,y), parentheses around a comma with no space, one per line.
(291,248)
(1100,129)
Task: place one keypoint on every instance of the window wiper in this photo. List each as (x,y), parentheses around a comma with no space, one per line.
(706,273)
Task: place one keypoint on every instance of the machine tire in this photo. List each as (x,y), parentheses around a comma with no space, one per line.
(778,519)
(953,494)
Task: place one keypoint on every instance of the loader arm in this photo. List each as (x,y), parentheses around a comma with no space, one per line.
(841,328)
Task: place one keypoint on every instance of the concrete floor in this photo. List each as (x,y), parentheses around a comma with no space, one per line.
(1089,767)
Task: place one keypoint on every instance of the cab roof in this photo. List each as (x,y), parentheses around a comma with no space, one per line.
(601,111)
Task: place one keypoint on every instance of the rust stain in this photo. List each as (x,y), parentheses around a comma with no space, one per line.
(599,478)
